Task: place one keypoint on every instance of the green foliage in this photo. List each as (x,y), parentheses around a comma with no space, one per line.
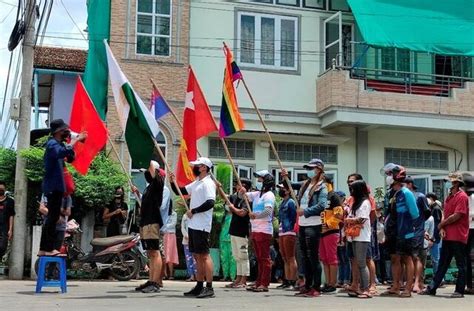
(223,175)
(34,169)
(379,194)
(95,189)
(7,167)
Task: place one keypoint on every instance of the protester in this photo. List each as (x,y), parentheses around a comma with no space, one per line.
(437,213)
(203,196)
(331,219)
(469,187)
(190,261)
(61,225)
(400,232)
(454,231)
(115,213)
(261,216)
(229,267)
(358,231)
(344,270)
(239,233)
(54,182)
(7,215)
(312,197)
(287,236)
(150,224)
(169,244)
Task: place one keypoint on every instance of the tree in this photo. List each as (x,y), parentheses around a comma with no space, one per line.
(7,167)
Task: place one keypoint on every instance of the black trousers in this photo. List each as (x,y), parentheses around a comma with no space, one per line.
(309,237)
(469,247)
(449,250)
(48,234)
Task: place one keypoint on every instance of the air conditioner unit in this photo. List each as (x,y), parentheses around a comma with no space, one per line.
(15,109)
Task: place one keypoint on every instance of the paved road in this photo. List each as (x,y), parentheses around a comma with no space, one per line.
(111,295)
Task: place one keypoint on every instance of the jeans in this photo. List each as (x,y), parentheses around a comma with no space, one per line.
(435,256)
(261,243)
(449,250)
(48,233)
(190,262)
(309,244)
(469,247)
(360,256)
(344,273)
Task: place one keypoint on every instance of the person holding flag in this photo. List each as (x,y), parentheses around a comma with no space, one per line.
(203,196)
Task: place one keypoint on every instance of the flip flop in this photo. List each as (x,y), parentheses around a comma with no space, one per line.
(352,294)
(405,295)
(364,295)
(260,290)
(390,294)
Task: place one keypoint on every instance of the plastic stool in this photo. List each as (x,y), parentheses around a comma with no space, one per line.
(41,282)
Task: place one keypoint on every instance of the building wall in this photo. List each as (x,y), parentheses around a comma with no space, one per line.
(62,96)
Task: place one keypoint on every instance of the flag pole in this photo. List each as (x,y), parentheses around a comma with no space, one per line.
(270,140)
(168,168)
(175,116)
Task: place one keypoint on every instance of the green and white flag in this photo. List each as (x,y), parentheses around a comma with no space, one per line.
(136,120)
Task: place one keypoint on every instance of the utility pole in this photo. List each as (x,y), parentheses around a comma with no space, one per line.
(17,256)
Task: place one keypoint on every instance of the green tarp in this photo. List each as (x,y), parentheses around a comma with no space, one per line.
(96,73)
(434,26)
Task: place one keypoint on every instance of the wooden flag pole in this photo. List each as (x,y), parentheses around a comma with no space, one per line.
(219,186)
(272,145)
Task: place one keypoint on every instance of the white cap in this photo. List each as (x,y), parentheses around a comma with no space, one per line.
(261,173)
(153,164)
(201,161)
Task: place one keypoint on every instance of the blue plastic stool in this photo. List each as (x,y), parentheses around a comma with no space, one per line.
(41,282)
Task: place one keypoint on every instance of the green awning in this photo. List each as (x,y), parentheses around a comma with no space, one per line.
(441,27)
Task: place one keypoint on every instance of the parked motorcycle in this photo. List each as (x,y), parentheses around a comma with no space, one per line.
(115,254)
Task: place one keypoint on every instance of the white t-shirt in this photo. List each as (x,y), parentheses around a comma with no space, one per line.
(362,212)
(471,211)
(263,225)
(308,221)
(201,191)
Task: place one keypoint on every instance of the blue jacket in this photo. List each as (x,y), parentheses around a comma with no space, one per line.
(54,165)
(318,201)
(407,213)
(287,215)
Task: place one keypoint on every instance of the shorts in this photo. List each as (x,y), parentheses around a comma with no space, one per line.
(406,247)
(417,249)
(390,245)
(287,245)
(198,241)
(328,249)
(350,251)
(150,235)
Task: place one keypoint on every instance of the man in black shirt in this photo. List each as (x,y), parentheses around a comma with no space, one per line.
(7,213)
(150,224)
(239,232)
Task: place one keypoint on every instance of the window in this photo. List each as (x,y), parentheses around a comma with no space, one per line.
(421,159)
(312,4)
(304,152)
(239,149)
(268,41)
(339,5)
(394,59)
(153,27)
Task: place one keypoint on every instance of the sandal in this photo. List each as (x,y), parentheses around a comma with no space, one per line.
(364,295)
(260,289)
(405,294)
(352,294)
(389,293)
(240,285)
(231,285)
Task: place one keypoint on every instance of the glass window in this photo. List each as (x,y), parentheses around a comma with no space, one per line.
(421,159)
(339,5)
(304,152)
(268,41)
(288,2)
(153,27)
(239,149)
(315,4)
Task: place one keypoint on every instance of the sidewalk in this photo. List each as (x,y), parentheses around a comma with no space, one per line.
(112,295)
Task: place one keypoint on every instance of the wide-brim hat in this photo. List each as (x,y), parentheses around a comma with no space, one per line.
(456,176)
(58,125)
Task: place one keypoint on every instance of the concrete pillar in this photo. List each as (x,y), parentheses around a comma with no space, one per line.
(87,227)
(470,152)
(362,153)
(35,244)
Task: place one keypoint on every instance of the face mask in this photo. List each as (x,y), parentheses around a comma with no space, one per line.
(196,171)
(311,173)
(65,135)
(389,180)
(148,177)
(2,193)
(281,193)
(259,185)
(448,185)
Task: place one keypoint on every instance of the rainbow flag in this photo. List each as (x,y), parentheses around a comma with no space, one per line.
(158,105)
(230,119)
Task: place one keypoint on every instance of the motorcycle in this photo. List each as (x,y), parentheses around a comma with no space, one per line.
(115,254)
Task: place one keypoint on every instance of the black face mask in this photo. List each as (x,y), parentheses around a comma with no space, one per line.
(148,177)
(281,193)
(65,135)
(2,193)
(196,171)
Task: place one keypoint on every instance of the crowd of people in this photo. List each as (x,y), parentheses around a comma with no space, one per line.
(352,235)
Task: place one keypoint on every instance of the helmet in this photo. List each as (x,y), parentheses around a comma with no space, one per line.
(398,172)
(268,179)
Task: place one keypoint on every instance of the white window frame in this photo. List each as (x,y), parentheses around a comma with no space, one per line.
(290,171)
(247,169)
(153,35)
(258,18)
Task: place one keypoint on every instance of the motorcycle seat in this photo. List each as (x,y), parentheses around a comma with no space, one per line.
(112,240)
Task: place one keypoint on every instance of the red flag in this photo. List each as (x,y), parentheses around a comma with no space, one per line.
(197,122)
(84,117)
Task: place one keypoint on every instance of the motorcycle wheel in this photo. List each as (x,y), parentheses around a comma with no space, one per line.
(125,266)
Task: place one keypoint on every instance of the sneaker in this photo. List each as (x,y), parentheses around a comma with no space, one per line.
(328,289)
(283,285)
(144,285)
(206,292)
(290,288)
(312,293)
(152,288)
(193,292)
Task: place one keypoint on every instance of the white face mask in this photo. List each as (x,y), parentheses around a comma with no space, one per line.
(259,185)
(389,180)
